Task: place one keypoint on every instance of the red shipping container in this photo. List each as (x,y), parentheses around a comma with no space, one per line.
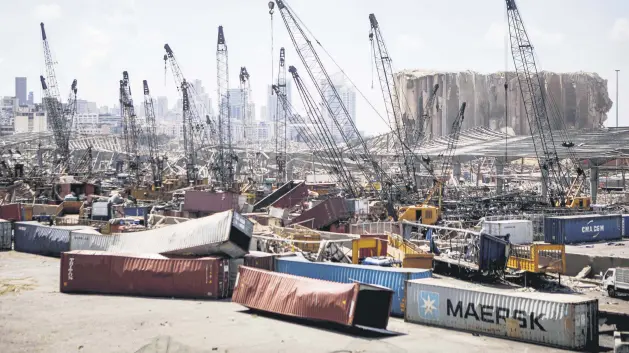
(209,202)
(11,212)
(364,253)
(85,271)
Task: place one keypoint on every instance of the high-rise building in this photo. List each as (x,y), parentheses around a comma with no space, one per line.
(347,94)
(162,107)
(20,90)
(31,98)
(31,119)
(272,103)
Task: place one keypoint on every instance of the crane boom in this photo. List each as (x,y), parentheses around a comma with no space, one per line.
(423,128)
(130,127)
(535,104)
(280,121)
(336,109)
(149,112)
(188,139)
(225,151)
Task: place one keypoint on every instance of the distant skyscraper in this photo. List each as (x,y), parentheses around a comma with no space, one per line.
(20,90)
(272,105)
(348,99)
(162,107)
(31,98)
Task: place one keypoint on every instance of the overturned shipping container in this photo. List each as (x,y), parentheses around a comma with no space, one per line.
(390,277)
(323,214)
(560,320)
(582,228)
(226,233)
(352,304)
(35,238)
(5,235)
(286,196)
(149,275)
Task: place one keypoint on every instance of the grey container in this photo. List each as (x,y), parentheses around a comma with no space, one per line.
(558,320)
(582,228)
(42,240)
(5,235)
(493,253)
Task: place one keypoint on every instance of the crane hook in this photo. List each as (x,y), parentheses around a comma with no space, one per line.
(271,7)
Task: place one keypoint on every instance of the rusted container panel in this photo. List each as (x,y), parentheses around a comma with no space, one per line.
(323,214)
(11,212)
(203,201)
(365,253)
(351,304)
(263,260)
(150,275)
(293,197)
(280,193)
(5,234)
(560,320)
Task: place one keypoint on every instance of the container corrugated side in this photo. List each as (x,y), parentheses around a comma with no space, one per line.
(5,235)
(582,228)
(91,241)
(492,254)
(560,320)
(150,275)
(390,277)
(42,240)
(625,225)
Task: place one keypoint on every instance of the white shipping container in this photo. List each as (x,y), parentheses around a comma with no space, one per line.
(560,320)
(277,212)
(100,209)
(520,231)
(362,206)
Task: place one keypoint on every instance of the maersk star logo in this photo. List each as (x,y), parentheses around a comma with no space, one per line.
(429,305)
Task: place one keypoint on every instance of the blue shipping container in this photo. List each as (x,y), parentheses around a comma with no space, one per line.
(582,228)
(136,211)
(493,253)
(390,277)
(625,225)
(42,240)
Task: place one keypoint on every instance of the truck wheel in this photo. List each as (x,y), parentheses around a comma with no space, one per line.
(611,292)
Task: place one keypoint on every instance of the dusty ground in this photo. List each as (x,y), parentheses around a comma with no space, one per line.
(613,248)
(35,317)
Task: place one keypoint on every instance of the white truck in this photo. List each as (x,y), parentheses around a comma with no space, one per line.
(616,280)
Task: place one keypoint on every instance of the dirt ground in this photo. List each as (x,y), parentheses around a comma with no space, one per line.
(35,317)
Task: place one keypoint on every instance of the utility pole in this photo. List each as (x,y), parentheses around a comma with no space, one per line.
(617,98)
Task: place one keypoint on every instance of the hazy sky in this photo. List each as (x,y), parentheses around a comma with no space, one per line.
(95,40)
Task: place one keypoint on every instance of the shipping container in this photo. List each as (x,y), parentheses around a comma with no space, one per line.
(226,233)
(284,190)
(493,253)
(234,264)
(100,210)
(5,235)
(11,212)
(349,304)
(149,275)
(560,320)
(138,211)
(582,228)
(520,231)
(91,240)
(390,277)
(625,225)
(281,213)
(39,239)
(323,214)
(209,202)
(261,260)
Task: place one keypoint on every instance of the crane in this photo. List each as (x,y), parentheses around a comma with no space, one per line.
(225,150)
(391,97)
(193,127)
(338,112)
(555,179)
(339,167)
(60,119)
(248,137)
(280,121)
(425,212)
(130,127)
(156,162)
(423,127)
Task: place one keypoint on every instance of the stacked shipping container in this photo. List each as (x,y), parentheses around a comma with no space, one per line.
(582,228)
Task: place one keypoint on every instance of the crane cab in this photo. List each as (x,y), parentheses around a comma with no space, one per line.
(580,202)
(424,214)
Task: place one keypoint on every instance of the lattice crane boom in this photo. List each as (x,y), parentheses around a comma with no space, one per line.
(225,153)
(149,112)
(188,139)
(280,121)
(130,127)
(536,106)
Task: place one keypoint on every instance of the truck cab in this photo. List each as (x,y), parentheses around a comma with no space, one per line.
(616,280)
(424,214)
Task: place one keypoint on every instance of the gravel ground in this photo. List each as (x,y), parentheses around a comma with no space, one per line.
(35,317)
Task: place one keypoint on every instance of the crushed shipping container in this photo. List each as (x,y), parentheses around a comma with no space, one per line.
(286,196)
(150,275)
(560,320)
(323,214)
(263,260)
(582,228)
(226,233)
(5,235)
(390,277)
(353,304)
